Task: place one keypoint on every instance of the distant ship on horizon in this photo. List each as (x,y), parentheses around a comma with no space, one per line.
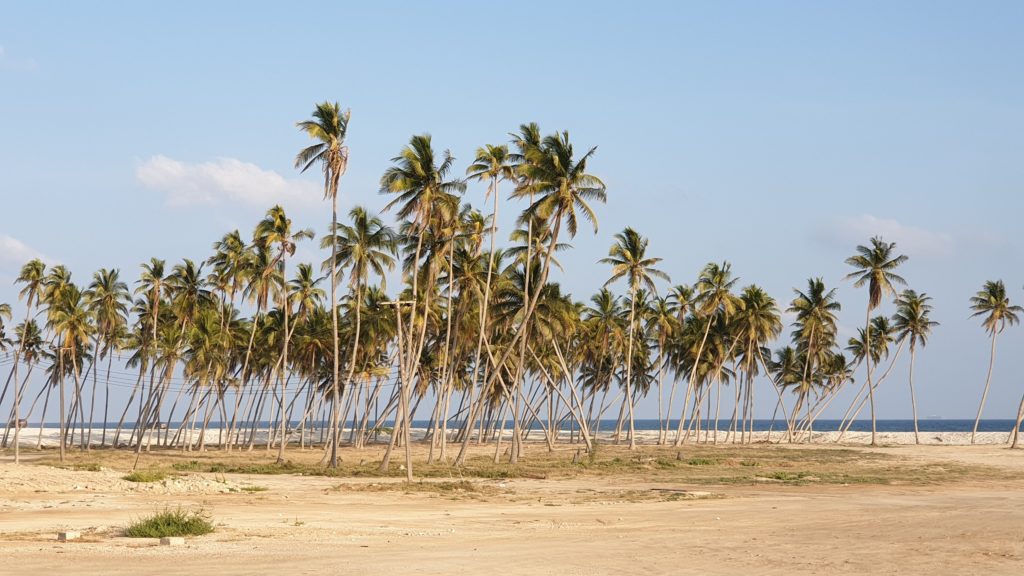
(933,417)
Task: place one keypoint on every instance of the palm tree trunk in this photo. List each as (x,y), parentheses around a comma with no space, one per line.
(335,393)
(17,412)
(1015,435)
(913,398)
(690,382)
(867,363)
(286,312)
(778,393)
(484,308)
(629,369)
(61,424)
(988,380)
(42,419)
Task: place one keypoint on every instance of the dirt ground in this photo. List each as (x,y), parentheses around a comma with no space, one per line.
(646,519)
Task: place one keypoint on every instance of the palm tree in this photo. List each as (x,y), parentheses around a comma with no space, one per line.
(365,245)
(992,303)
(874,267)
(814,334)
(494,164)
(108,301)
(912,321)
(551,173)
(662,320)
(276,230)
(425,195)
(329,127)
(628,259)
(71,321)
(757,323)
(714,298)
(33,276)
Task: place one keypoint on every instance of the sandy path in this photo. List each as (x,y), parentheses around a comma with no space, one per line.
(303,525)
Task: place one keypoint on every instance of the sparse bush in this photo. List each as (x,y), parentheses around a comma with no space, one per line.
(177,522)
(701,462)
(145,476)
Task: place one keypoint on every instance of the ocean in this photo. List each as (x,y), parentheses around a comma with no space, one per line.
(924,425)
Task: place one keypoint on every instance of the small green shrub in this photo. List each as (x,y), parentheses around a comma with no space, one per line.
(701,462)
(190,466)
(177,522)
(254,488)
(145,476)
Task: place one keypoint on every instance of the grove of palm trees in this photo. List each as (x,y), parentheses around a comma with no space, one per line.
(441,317)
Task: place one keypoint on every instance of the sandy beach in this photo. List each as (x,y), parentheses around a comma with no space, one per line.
(897,509)
(30,437)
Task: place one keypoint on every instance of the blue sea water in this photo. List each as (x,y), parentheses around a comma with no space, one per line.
(924,425)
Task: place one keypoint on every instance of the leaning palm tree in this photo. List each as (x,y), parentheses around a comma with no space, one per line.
(714,301)
(33,275)
(912,321)
(628,259)
(425,195)
(276,230)
(992,303)
(71,321)
(875,267)
(328,127)
(814,333)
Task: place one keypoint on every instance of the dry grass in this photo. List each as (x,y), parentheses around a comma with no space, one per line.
(693,464)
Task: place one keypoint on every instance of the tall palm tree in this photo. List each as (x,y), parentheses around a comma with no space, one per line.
(362,246)
(714,298)
(628,259)
(663,322)
(757,323)
(329,127)
(71,321)
(912,322)
(814,334)
(562,189)
(993,305)
(425,195)
(493,164)
(874,267)
(275,230)
(33,276)
(108,299)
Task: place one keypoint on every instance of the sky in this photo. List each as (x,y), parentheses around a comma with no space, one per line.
(775,136)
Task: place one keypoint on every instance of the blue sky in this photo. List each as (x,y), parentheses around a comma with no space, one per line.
(776,136)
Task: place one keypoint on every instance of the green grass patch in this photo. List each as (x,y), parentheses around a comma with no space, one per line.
(176,522)
(702,462)
(190,466)
(252,489)
(145,476)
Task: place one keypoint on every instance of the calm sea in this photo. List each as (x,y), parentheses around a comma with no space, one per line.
(924,425)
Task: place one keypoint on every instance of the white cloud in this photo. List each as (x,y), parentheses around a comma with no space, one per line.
(225,180)
(909,240)
(14,251)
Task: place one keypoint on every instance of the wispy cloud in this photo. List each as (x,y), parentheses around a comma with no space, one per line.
(910,240)
(15,252)
(17,63)
(225,180)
